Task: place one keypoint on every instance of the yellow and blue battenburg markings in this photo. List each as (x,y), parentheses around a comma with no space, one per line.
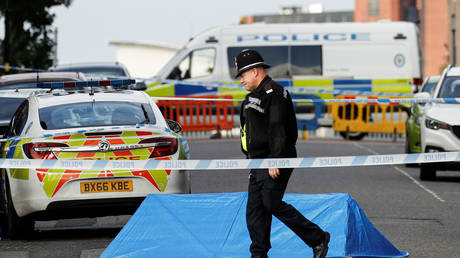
(356,100)
(324,88)
(52,179)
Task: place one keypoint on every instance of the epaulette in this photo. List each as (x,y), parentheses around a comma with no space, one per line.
(268,89)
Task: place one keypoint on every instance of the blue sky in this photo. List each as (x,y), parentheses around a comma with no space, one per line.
(85,28)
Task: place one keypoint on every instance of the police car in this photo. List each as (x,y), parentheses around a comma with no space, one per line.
(14,88)
(440,124)
(86,124)
(101,71)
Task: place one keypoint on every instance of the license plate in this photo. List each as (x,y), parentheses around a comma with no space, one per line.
(106,186)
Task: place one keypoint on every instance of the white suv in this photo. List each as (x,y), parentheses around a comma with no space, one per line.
(440,125)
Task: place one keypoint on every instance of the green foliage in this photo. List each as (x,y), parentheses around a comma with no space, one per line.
(31,34)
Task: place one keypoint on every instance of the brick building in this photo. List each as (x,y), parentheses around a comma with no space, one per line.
(438,39)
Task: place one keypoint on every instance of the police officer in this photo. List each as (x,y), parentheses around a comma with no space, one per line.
(269,130)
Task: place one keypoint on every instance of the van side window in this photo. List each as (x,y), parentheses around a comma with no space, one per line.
(306,60)
(275,56)
(198,63)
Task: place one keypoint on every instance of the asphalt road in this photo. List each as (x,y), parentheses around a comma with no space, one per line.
(416,216)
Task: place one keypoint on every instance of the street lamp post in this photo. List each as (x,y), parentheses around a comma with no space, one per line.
(454,57)
(6,50)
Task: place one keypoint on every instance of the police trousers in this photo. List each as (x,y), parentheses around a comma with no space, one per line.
(264,200)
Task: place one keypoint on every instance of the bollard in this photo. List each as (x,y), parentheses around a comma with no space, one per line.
(304,133)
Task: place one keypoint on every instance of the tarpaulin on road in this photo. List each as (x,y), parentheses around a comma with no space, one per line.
(214,225)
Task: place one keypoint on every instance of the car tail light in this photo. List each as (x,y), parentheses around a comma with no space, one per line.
(416,83)
(165,146)
(32,153)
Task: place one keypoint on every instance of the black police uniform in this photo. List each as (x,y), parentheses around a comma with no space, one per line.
(269,130)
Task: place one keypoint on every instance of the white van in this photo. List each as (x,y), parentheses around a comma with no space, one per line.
(374,56)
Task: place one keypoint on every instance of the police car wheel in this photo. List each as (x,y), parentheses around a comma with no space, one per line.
(16,227)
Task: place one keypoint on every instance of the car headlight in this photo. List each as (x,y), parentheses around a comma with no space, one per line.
(435,124)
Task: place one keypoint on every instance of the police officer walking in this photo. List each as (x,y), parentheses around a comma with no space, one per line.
(269,130)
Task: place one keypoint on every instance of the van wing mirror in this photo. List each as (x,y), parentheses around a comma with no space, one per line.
(422,95)
(174,126)
(140,85)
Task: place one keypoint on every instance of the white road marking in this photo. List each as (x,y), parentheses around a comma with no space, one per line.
(14,254)
(404,173)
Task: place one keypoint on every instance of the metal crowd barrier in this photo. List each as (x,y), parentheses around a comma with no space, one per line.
(367,117)
(197,115)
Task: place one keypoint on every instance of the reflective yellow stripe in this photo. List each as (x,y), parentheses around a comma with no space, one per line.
(160,90)
(392,85)
(243,138)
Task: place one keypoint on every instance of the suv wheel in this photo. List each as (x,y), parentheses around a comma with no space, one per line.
(427,173)
(356,136)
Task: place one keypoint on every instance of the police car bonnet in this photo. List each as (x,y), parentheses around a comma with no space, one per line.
(248,59)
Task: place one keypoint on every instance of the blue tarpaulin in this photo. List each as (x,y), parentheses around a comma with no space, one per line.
(214,225)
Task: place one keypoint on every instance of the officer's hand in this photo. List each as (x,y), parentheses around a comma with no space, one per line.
(274,172)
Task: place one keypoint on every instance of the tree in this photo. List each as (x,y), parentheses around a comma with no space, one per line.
(28,26)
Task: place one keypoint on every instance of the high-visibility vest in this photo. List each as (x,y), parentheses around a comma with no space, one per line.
(243,137)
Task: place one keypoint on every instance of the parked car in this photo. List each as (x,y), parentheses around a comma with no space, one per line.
(104,124)
(14,88)
(415,115)
(440,123)
(102,70)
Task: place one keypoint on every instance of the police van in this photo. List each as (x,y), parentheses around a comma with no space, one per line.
(374,56)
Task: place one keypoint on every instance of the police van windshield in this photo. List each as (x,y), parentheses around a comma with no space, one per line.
(90,114)
(285,61)
(164,72)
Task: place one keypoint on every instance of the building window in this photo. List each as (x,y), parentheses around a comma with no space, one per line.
(373,7)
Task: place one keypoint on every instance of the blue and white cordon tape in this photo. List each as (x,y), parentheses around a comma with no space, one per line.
(17,68)
(357,100)
(225,164)
(298,89)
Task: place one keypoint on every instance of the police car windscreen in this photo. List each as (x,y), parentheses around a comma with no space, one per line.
(450,88)
(91,114)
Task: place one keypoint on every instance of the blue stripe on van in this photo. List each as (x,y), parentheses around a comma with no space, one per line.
(342,82)
(284,83)
(349,87)
(187,89)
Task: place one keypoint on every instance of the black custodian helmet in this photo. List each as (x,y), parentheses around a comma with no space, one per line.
(248,59)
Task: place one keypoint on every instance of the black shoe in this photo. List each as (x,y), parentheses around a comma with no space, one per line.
(259,256)
(320,250)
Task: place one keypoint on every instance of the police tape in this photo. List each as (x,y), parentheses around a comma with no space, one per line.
(354,100)
(227,164)
(17,68)
(296,89)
